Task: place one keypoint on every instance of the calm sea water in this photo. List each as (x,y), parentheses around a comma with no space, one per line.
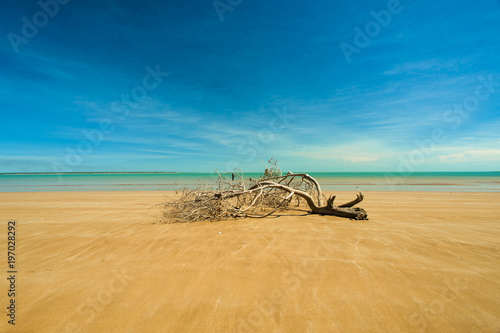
(330,181)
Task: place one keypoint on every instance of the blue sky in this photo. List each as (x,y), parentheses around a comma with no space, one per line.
(84,85)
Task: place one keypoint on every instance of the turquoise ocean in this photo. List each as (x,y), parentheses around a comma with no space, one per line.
(330,181)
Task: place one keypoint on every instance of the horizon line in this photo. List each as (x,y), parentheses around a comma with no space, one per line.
(197,172)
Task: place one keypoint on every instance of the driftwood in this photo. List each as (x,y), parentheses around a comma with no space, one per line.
(257,198)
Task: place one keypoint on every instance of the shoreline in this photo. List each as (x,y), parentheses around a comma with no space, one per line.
(463,182)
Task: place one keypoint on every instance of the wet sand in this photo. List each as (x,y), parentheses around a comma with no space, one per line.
(98,262)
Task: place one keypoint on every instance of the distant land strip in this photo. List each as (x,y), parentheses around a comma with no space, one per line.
(87,173)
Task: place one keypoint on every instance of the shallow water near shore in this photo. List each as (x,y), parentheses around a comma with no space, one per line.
(330,181)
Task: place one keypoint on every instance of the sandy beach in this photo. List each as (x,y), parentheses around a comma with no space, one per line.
(98,262)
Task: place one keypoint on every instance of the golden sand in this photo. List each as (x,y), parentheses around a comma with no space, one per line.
(97,262)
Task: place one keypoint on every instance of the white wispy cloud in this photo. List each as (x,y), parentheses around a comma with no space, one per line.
(355,152)
(429,65)
(478,155)
(362,159)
